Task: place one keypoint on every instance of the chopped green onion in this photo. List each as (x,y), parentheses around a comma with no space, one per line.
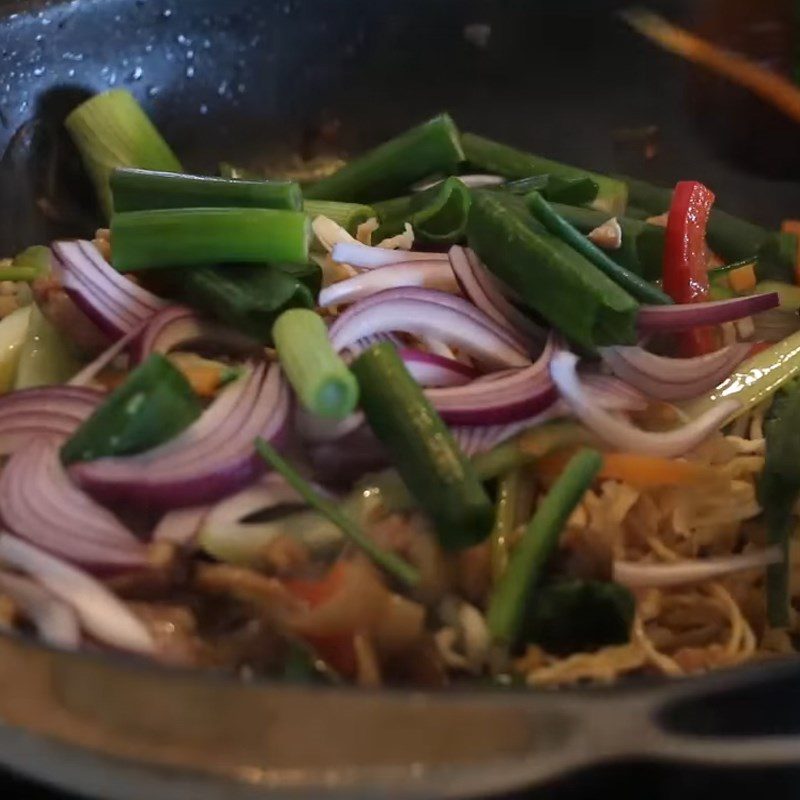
(547,275)
(143,190)
(173,237)
(557,225)
(322,381)
(422,448)
(248,297)
(438,215)
(392,563)
(28,265)
(153,405)
(713,272)
(111,130)
(530,556)
(348,215)
(392,167)
(23,274)
(493,157)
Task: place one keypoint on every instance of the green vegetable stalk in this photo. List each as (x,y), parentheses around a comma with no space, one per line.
(154,405)
(392,563)
(392,167)
(144,190)
(510,597)
(637,287)
(112,130)
(422,448)
(778,491)
(493,157)
(322,381)
(549,276)
(197,236)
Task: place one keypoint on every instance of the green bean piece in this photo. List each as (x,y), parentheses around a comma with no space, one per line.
(392,167)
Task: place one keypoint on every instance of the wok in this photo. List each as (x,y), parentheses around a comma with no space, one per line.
(249,81)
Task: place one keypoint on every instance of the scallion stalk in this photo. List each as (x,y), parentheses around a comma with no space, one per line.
(392,563)
(636,286)
(195,236)
(506,519)
(324,384)
(348,215)
(525,567)
(392,167)
(143,190)
(112,130)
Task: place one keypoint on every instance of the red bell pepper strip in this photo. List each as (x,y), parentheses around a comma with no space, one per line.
(685,272)
(338,650)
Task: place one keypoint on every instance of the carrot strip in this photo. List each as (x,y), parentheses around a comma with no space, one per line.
(642,472)
(793,226)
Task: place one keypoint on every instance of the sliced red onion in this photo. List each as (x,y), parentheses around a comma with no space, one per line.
(656,319)
(433,275)
(55,621)
(91,370)
(638,575)
(481,287)
(430,370)
(54,411)
(114,303)
(672,378)
(102,614)
(511,397)
(175,326)
(180,526)
(606,392)
(213,457)
(473,181)
(317,430)
(363,256)
(426,312)
(39,502)
(622,434)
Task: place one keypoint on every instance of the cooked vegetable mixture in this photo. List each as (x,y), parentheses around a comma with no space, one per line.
(455,411)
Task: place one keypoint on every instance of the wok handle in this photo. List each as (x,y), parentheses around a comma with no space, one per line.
(687,721)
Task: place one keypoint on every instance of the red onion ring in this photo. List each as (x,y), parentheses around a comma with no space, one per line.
(480,286)
(55,621)
(433,275)
(509,398)
(426,312)
(637,575)
(429,369)
(55,411)
(102,614)
(41,504)
(672,378)
(176,326)
(114,303)
(656,319)
(92,369)
(622,434)
(213,457)
(363,256)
